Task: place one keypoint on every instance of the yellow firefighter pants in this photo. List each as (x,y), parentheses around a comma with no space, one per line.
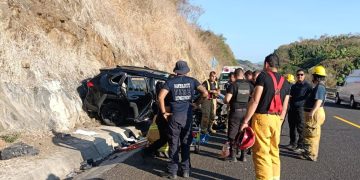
(208,109)
(266,148)
(312,132)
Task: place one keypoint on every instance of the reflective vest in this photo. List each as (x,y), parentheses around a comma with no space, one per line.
(208,85)
(211,96)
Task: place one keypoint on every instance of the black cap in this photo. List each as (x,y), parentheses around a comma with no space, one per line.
(181,67)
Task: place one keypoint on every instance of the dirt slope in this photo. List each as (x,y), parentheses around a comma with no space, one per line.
(47,47)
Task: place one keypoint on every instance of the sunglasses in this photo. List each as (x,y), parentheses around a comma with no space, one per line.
(299,74)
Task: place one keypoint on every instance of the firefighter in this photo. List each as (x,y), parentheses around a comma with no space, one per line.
(181,89)
(269,103)
(237,95)
(314,114)
(290,78)
(209,105)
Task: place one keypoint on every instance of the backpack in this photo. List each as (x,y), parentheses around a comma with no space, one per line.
(243,92)
(276,103)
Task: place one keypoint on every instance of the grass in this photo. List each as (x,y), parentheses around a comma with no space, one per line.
(10,138)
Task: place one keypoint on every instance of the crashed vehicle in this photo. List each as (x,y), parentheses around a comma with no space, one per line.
(124,95)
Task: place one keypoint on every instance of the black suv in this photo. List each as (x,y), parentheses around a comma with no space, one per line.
(123,95)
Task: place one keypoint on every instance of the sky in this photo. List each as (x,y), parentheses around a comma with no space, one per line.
(256,28)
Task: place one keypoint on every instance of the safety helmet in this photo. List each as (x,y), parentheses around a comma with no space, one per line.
(319,70)
(245,139)
(290,78)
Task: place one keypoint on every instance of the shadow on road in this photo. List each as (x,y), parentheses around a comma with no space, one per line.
(288,153)
(157,166)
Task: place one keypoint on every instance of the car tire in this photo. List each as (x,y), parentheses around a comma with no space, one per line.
(353,104)
(337,99)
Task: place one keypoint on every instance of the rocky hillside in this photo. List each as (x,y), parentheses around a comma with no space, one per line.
(248,65)
(48,47)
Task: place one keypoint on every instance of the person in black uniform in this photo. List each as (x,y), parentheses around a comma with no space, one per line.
(237,96)
(226,86)
(298,94)
(181,89)
(162,124)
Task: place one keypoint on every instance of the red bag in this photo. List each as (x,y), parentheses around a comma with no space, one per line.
(276,103)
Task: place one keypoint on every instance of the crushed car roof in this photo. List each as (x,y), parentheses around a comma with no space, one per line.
(138,71)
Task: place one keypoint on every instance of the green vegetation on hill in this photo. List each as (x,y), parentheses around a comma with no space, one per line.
(339,54)
(215,43)
(218,46)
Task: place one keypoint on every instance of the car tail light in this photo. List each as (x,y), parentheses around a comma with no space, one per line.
(90,84)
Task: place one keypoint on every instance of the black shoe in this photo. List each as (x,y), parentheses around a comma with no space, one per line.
(299,150)
(291,146)
(249,152)
(168,175)
(186,174)
(232,159)
(306,156)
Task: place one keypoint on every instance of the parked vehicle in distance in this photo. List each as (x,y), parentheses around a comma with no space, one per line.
(224,76)
(349,91)
(123,95)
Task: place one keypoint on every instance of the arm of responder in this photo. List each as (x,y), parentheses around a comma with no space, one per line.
(229,94)
(204,93)
(319,97)
(254,102)
(285,107)
(162,95)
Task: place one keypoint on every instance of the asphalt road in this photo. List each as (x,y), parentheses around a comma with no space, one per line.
(339,156)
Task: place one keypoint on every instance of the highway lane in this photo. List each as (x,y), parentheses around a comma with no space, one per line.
(339,156)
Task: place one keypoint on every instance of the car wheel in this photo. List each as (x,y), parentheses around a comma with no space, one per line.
(353,104)
(337,99)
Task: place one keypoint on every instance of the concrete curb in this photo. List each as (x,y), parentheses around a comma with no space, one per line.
(70,151)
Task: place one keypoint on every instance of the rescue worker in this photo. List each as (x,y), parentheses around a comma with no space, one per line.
(162,125)
(181,89)
(208,107)
(255,74)
(230,81)
(226,86)
(314,114)
(248,75)
(269,103)
(290,78)
(237,95)
(298,94)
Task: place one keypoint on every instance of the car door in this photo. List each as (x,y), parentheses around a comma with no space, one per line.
(139,97)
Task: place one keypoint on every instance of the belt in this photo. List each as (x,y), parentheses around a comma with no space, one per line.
(274,113)
(241,109)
